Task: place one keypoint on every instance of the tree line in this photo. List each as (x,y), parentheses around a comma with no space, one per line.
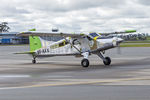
(4,27)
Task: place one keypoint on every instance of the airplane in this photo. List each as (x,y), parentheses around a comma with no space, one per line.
(72,44)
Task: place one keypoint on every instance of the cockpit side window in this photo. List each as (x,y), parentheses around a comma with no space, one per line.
(89,38)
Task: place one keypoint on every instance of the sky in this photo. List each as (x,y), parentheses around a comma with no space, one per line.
(76,15)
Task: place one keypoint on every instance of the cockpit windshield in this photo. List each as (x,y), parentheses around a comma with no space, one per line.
(94,34)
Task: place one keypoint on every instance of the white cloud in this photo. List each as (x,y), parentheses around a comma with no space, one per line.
(76,15)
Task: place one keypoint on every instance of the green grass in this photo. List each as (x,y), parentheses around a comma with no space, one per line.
(148,38)
(134,45)
(144,43)
(140,41)
(137,41)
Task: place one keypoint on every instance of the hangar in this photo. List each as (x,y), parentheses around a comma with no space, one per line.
(12,38)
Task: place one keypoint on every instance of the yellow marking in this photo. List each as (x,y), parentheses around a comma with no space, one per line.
(77,83)
(95,38)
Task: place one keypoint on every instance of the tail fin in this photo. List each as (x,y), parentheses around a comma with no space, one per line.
(35,43)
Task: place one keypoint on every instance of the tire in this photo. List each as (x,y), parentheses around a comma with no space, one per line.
(34,61)
(108,61)
(85,63)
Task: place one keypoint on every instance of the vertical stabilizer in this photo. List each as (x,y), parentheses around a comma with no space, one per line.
(35,43)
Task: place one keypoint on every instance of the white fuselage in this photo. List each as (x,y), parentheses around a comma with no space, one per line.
(67,47)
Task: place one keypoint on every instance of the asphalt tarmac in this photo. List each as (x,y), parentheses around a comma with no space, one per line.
(63,78)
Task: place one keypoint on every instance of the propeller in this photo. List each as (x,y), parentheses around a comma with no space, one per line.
(119,49)
(116,43)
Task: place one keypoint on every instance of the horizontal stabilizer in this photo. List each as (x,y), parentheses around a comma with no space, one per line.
(28,52)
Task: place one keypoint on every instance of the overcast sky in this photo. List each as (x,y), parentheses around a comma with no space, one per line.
(76,15)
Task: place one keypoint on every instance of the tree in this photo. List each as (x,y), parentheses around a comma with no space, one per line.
(4,27)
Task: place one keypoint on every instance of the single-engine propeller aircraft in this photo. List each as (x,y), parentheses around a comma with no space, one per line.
(72,44)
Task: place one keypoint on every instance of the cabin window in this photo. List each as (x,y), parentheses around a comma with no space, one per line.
(89,38)
(66,42)
(61,44)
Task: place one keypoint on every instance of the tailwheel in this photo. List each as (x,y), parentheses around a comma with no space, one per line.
(33,61)
(107,61)
(85,63)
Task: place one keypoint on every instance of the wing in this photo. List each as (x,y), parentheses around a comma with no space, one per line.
(73,35)
(127,31)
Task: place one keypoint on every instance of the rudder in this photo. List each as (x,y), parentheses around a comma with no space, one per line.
(35,43)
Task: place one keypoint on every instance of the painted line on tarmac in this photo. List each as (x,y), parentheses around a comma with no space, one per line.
(130,58)
(75,83)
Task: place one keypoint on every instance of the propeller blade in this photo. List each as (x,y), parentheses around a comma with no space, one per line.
(118,49)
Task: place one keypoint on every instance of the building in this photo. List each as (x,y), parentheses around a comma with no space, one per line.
(12,38)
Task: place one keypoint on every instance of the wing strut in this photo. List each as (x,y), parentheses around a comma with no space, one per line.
(73,45)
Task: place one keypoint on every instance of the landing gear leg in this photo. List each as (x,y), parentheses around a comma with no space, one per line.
(85,61)
(106,60)
(34,60)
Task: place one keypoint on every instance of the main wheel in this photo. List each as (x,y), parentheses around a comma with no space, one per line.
(85,63)
(108,61)
(33,61)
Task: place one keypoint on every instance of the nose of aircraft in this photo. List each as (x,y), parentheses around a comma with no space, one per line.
(119,40)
